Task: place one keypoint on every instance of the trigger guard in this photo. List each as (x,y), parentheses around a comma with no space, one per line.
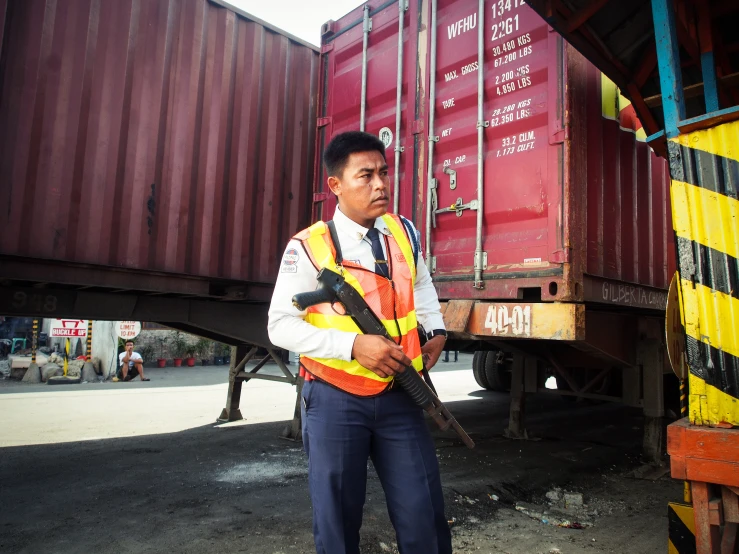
(337,312)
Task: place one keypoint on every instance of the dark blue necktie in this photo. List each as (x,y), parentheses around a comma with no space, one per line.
(380,261)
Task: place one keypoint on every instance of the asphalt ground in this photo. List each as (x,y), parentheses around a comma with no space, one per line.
(144,467)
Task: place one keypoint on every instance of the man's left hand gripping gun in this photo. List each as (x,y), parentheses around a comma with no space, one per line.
(333,288)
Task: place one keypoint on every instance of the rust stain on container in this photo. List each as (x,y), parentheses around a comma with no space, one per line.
(172,136)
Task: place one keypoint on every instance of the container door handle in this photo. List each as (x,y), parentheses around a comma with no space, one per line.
(458,207)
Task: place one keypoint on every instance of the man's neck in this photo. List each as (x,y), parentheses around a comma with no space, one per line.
(366,223)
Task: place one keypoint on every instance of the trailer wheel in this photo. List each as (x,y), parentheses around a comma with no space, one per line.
(478,369)
(497,372)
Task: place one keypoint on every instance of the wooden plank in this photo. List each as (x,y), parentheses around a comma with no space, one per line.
(528,320)
(705,534)
(709,443)
(457,315)
(731,505)
(712,471)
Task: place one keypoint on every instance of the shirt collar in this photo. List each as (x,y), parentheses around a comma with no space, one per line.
(353,229)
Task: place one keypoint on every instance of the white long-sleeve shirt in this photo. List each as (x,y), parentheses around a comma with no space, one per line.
(287,326)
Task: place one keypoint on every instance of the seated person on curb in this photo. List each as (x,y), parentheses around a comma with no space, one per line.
(131,364)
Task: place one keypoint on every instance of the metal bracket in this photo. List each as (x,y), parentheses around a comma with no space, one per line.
(434,139)
(432,265)
(481,263)
(399,148)
(458,207)
(452,177)
(481,260)
(434,201)
(405,6)
(369,25)
(485,123)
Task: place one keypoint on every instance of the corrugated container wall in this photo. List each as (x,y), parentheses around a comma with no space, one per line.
(169,135)
(570,189)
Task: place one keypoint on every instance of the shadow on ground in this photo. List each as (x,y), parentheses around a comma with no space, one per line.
(240,488)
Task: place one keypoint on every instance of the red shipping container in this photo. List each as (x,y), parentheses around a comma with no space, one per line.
(166,137)
(574,207)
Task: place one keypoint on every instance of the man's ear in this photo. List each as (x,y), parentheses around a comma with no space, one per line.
(335,185)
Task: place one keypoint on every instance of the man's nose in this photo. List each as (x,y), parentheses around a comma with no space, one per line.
(379,182)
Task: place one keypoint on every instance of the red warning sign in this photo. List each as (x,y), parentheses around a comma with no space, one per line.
(68,328)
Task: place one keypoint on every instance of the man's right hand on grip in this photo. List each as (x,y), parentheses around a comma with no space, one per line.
(380,355)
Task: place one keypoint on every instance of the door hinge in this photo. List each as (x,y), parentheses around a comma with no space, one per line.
(560,256)
(320,197)
(323,121)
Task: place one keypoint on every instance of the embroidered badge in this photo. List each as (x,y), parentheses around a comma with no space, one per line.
(290,257)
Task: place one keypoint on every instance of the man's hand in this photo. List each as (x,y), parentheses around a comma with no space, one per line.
(432,350)
(380,355)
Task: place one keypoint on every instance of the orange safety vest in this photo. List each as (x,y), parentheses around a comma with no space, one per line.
(390,299)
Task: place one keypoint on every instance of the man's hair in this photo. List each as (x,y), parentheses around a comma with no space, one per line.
(131,341)
(344,145)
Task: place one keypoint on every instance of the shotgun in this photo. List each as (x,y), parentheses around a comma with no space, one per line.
(333,288)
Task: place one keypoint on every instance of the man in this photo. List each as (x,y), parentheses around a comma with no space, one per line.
(131,363)
(351,410)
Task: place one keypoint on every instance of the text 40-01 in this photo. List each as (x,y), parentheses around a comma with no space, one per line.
(502,321)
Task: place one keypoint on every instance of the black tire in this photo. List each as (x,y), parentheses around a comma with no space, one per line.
(497,374)
(478,369)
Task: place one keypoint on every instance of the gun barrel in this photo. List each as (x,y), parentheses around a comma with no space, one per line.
(422,395)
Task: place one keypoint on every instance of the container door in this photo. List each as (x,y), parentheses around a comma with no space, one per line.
(521,157)
(342,60)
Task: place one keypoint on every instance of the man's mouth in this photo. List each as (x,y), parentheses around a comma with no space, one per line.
(381,199)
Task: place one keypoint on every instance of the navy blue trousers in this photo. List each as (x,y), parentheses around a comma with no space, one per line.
(340,433)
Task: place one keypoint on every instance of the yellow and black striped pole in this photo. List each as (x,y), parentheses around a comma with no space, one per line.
(687,495)
(34,341)
(66,356)
(704,166)
(89,341)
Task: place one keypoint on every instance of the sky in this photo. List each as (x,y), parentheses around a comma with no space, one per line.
(302,18)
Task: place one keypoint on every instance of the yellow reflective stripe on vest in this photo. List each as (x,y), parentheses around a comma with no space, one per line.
(353,367)
(323,255)
(403,243)
(328,321)
(405,323)
(346,323)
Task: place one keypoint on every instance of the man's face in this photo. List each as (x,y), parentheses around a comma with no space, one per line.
(129,346)
(363,189)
